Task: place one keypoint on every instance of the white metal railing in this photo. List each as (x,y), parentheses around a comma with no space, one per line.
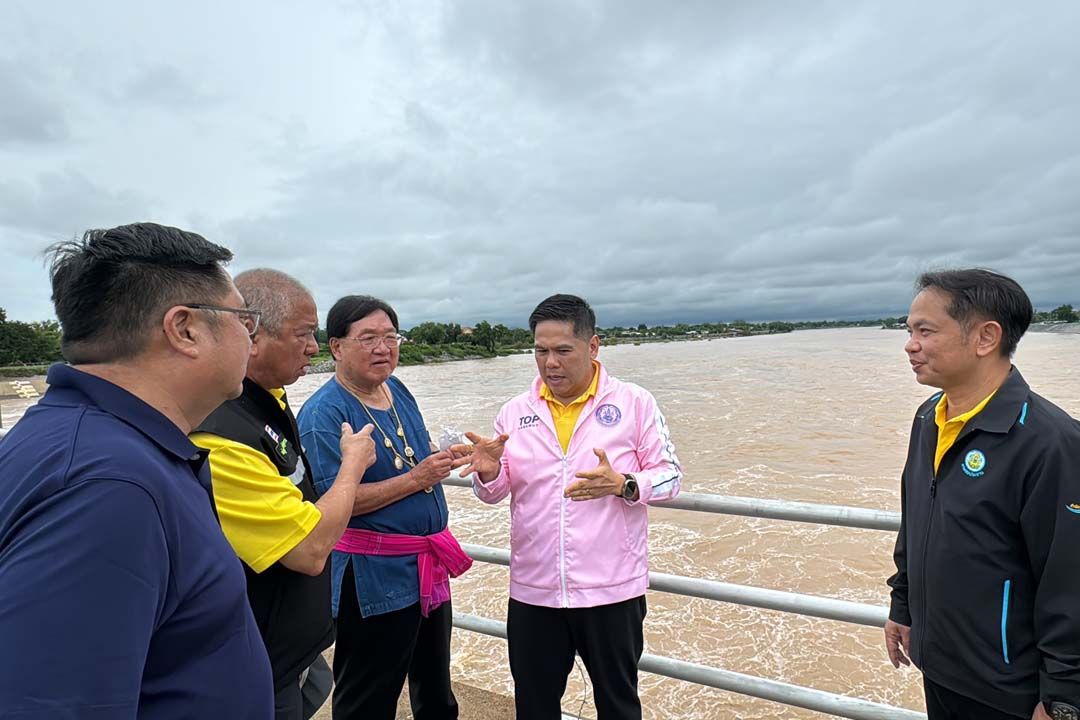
(813,605)
(830,608)
(781,692)
(772,509)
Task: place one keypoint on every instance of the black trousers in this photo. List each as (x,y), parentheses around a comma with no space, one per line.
(374,655)
(298,701)
(542,642)
(289,703)
(944,704)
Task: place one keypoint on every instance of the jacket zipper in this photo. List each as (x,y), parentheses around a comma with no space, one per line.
(562,537)
(926,545)
(967,430)
(1004,620)
(563,500)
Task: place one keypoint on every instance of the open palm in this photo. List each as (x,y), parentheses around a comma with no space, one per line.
(483,456)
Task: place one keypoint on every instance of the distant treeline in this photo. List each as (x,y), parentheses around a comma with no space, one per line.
(38,343)
(28,343)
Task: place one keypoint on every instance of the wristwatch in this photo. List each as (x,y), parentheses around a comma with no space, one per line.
(629,488)
(1062,711)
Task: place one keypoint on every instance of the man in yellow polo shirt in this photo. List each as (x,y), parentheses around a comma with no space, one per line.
(265,498)
(986,595)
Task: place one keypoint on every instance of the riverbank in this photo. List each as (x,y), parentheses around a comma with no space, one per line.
(35,375)
(412,355)
(1061,328)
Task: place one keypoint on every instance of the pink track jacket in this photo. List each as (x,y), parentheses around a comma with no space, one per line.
(568,554)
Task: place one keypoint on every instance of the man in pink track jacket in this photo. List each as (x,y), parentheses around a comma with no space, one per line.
(581,454)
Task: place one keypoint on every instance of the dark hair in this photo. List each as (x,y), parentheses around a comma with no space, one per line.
(975,293)
(109,287)
(565,308)
(351,308)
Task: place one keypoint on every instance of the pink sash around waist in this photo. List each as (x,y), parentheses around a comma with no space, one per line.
(439,557)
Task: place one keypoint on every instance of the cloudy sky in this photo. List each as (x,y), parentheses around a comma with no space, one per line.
(693,160)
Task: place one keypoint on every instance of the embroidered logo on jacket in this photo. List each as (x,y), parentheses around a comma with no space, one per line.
(1073,508)
(526,421)
(281,444)
(608,415)
(974,463)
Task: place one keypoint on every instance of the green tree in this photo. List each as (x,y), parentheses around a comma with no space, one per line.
(484,335)
(780,327)
(28,343)
(502,334)
(1064,313)
(428,333)
(48,339)
(520,337)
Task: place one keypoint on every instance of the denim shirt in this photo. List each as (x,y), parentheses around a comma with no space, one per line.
(382,584)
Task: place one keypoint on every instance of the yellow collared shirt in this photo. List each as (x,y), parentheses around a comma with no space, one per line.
(949,430)
(262,514)
(566,416)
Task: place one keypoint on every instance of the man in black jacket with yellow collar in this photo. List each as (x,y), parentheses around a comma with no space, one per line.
(986,597)
(265,498)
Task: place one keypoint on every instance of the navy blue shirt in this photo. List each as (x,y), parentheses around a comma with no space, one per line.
(382,584)
(119,595)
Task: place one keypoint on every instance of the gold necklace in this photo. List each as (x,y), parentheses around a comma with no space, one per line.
(410,454)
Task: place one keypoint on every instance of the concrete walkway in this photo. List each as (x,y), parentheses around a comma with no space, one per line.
(474,703)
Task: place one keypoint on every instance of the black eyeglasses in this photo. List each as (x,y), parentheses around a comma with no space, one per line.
(249,317)
(370,342)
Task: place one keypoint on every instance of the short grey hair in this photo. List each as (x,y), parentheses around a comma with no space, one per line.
(272,293)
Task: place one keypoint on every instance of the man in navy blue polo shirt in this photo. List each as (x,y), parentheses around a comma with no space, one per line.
(119,595)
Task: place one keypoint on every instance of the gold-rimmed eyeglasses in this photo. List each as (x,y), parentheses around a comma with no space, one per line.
(249,317)
(370,342)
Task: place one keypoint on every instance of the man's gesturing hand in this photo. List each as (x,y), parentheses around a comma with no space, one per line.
(598,482)
(357,447)
(432,470)
(482,457)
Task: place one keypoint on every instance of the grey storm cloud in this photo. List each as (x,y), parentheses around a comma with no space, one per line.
(28,115)
(164,86)
(695,161)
